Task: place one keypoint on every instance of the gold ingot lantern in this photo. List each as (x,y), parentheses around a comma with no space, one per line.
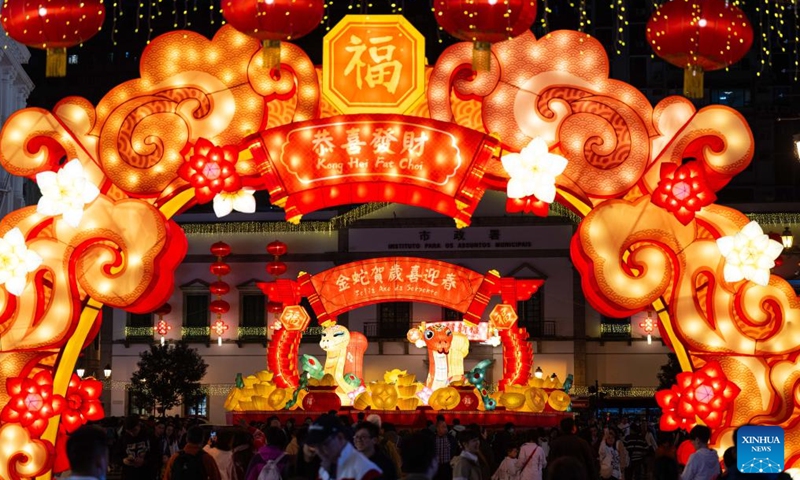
(536,399)
(445,399)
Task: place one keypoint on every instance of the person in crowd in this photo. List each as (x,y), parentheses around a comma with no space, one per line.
(666,446)
(306,463)
(418,457)
(159,432)
(466,465)
(137,451)
(338,459)
(503,440)
(192,463)
(703,464)
(366,441)
(87,451)
(532,460)
(242,451)
(610,467)
(566,468)
(569,444)
(169,443)
(544,441)
(273,421)
(508,469)
(221,452)
(457,428)
(666,468)
(637,448)
(384,444)
(624,428)
(273,450)
(445,451)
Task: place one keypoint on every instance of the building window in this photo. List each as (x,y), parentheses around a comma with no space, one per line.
(313,333)
(394,319)
(200,409)
(195,317)
(253,316)
(139,327)
(531,315)
(449,315)
(134,409)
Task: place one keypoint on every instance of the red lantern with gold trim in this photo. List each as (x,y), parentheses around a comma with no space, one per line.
(219,306)
(273,21)
(220,249)
(53,25)
(276,268)
(699,36)
(484,22)
(276,248)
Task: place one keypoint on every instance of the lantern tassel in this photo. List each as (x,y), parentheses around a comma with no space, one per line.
(271,51)
(56,62)
(481,56)
(693,82)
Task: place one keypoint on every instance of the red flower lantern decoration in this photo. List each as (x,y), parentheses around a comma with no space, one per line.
(484,22)
(32,402)
(699,36)
(705,393)
(82,403)
(529,204)
(210,170)
(683,190)
(273,21)
(53,25)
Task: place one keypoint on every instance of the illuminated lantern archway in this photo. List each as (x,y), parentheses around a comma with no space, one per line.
(631,253)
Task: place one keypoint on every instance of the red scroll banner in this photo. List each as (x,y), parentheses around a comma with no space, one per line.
(308,166)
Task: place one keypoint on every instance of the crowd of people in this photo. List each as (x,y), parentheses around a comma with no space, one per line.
(331,447)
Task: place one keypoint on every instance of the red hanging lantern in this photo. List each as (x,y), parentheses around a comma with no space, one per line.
(220,269)
(220,249)
(484,22)
(219,306)
(699,36)
(219,288)
(163,310)
(273,21)
(276,268)
(53,25)
(276,248)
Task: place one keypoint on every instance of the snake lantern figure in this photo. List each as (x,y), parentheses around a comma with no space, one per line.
(345,358)
(443,366)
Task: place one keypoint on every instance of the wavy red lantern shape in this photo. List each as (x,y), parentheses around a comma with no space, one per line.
(219,288)
(484,22)
(277,248)
(705,393)
(220,249)
(274,21)
(219,306)
(53,25)
(699,36)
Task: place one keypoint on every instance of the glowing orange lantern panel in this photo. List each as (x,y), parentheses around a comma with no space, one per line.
(699,36)
(295,317)
(273,21)
(484,22)
(53,25)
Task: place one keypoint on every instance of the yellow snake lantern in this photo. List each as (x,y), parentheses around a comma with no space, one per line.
(344,359)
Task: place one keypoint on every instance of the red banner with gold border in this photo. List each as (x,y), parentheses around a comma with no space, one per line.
(307,166)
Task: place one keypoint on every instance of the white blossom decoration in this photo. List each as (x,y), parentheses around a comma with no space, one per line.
(533,171)
(66,192)
(241,201)
(749,255)
(16,261)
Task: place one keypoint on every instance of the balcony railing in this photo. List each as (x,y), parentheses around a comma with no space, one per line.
(546,329)
(252,334)
(195,334)
(139,334)
(312,334)
(615,331)
(386,330)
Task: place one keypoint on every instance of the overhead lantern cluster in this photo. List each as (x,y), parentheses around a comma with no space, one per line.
(53,25)
(484,22)
(274,21)
(699,36)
